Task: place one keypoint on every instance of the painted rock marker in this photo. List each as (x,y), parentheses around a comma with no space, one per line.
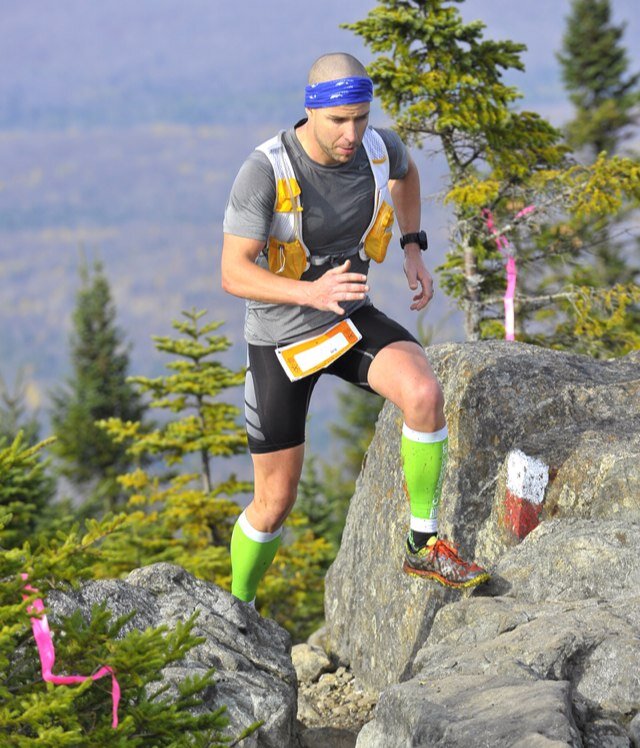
(527,479)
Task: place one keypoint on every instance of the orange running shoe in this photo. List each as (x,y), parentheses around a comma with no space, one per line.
(440,560)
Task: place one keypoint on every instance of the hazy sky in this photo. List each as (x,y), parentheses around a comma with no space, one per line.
(540,25)
(248,51)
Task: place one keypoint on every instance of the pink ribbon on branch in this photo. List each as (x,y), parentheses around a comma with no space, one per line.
(44,641)
(512,272)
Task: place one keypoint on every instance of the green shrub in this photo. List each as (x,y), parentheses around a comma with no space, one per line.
(35,713)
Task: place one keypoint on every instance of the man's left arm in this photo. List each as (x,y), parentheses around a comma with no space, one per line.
(405,193)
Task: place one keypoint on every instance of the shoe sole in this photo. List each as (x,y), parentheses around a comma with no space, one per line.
(480,579)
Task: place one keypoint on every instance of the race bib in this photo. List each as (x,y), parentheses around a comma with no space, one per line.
(308,356)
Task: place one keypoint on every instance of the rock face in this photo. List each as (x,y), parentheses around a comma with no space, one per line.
(462,711)
(255,677)
(543,488)
(555,656)
(533,435)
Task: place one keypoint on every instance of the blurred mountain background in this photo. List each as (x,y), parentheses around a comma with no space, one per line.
(122,126)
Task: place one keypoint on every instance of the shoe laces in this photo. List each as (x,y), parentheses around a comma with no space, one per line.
(444,548)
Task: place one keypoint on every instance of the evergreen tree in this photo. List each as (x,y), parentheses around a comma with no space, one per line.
(442,82)
(25,492)
(97,389)
(208,427)
(29,495)
(594,67)
(595,72)
(34,713)
(440,79)
(13,413)
(191,513)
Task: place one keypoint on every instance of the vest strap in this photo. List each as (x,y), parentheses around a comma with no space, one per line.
(337,258)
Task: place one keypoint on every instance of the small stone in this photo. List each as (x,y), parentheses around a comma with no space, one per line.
(309,662)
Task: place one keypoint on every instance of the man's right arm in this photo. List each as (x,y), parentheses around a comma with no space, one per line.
(241,276)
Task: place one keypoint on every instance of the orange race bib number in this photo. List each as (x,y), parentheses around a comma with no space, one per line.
(305,357)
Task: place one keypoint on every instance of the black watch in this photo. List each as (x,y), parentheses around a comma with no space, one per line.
(419,238)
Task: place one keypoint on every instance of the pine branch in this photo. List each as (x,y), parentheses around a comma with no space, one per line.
(534,302)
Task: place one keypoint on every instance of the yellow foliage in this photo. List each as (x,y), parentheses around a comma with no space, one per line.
(473,193)
(120,431)
(603,187)
(137,479)
(602,315)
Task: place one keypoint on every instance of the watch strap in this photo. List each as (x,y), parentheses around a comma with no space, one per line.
(419,238)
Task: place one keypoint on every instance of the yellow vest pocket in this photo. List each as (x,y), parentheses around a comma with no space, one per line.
(378,238)
(288,259)
(287,196)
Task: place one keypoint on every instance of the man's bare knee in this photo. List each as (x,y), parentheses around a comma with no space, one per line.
(274,499)
(423,405)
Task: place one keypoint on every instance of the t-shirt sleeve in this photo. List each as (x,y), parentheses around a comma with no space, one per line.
(249,209)
(398,153)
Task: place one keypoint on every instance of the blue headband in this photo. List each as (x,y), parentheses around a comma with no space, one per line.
(354,90)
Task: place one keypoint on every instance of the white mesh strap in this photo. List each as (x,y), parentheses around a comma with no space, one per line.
(275,151)
(378,157)
(284,226)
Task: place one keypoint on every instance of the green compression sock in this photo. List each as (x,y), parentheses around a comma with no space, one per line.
(252,553)
(424,457)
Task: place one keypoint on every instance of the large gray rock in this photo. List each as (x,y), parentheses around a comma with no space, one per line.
(255,677)
(463,711)
(555,625)
(573,560)
(575,418)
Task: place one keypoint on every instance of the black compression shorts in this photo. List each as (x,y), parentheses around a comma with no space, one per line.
(276,408)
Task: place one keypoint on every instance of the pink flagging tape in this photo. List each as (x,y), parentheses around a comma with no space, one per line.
(46,650)
(527,479)
(509,310)
(512,273)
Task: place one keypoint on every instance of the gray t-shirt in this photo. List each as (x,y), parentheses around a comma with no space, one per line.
(337,208)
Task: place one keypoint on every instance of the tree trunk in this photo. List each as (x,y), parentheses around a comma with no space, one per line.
(206,473)
(472,302)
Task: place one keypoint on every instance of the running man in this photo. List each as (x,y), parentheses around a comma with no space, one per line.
(308,211)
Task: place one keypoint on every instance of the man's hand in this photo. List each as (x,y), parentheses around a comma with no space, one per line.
(336,285)
(418,277)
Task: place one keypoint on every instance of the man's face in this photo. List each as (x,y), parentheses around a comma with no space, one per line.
(336,132)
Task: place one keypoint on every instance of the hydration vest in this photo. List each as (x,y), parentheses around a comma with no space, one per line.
(286,251)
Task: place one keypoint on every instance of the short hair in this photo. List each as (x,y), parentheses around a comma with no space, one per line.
(335,65)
